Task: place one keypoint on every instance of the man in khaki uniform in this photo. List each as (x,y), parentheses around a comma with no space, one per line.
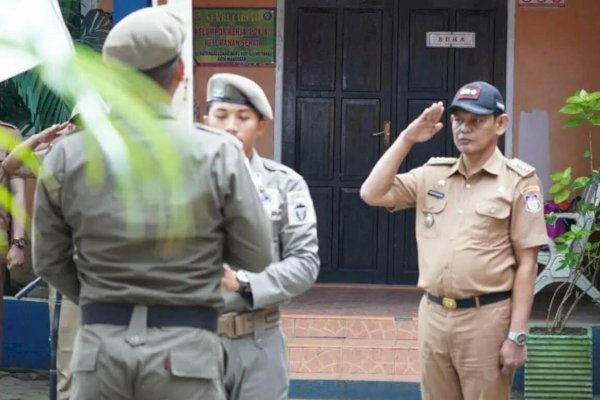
(12,234)
(479,223)
(257,354)
(149,317)
(69,319)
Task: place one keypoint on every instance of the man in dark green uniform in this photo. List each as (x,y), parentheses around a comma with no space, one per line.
(148,317)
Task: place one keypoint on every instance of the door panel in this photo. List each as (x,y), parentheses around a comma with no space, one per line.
(362,58)
(429,67)
(358,246)
(360,150)
(476,63)
(315,139)
(337,92)
(316,48)
(323,200)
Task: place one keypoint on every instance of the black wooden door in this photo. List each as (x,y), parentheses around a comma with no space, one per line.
(349,67)
(428,74)
(337,92)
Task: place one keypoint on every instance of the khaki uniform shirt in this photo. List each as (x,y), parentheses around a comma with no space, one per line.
(295,247)
(469,228)
(91,248)
(5,181)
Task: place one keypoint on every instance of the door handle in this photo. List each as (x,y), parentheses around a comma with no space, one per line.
(386,133)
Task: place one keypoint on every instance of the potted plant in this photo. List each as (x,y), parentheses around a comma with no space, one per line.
(559,363)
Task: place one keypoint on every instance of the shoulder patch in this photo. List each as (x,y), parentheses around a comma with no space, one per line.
(442,161)
(300,208)
(520,167)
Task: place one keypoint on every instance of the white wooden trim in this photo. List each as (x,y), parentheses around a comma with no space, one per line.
(183,100)
(510,77)
(278,122)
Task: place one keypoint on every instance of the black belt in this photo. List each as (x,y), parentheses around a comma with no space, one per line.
(452,304)
(158,316)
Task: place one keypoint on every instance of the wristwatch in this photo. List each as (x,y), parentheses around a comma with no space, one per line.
(519,338)
(243,280)
(19,242)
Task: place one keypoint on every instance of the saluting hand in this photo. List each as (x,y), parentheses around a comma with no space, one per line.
(512,356)
(426,125)
(52,132)
(229,282)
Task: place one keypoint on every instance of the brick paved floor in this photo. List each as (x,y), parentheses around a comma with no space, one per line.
(23,385)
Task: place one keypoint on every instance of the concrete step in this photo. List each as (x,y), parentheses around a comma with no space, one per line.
(350,327)
(351,347)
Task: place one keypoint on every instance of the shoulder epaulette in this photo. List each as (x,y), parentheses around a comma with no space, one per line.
(219,132)
(520,167)
(275,166)
(442,161)
(7,125)
(203,127)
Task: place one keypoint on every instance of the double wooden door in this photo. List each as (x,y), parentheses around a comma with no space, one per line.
(353,68)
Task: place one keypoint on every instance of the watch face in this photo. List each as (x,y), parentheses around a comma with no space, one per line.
(20,242)
(242,277)
(521,338)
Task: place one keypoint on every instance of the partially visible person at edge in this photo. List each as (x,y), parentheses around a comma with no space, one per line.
(148,318)
(12,232)
(479,224)
(39,144)
(256,347)
(69,319)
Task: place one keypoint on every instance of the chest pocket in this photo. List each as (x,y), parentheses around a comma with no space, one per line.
(492,221)
(430,217)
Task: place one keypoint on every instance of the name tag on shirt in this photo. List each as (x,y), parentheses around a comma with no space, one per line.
(436,194)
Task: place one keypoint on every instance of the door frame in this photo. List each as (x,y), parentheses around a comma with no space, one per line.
(279,44)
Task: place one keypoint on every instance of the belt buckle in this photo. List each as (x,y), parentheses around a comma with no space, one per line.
(226,325)
(271,316)
(448,303)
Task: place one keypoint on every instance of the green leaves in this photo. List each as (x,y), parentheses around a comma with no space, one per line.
(584,107)
(572,109)
(580,182)
(573,122)
(550,218)
(576,251)
(561,189)
(561,196)
(40,106)
(44,106)
(93,29)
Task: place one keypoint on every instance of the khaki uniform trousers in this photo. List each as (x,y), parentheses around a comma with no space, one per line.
(459,351)
(170,363)
(257,366)
(67,330)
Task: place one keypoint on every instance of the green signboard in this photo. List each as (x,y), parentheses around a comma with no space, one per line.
(234,36)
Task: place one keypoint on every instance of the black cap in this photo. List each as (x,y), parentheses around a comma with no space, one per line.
(479,98)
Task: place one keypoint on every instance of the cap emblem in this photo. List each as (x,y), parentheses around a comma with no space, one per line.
(469,92)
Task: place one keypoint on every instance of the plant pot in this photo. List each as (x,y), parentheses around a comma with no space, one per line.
(559,366)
